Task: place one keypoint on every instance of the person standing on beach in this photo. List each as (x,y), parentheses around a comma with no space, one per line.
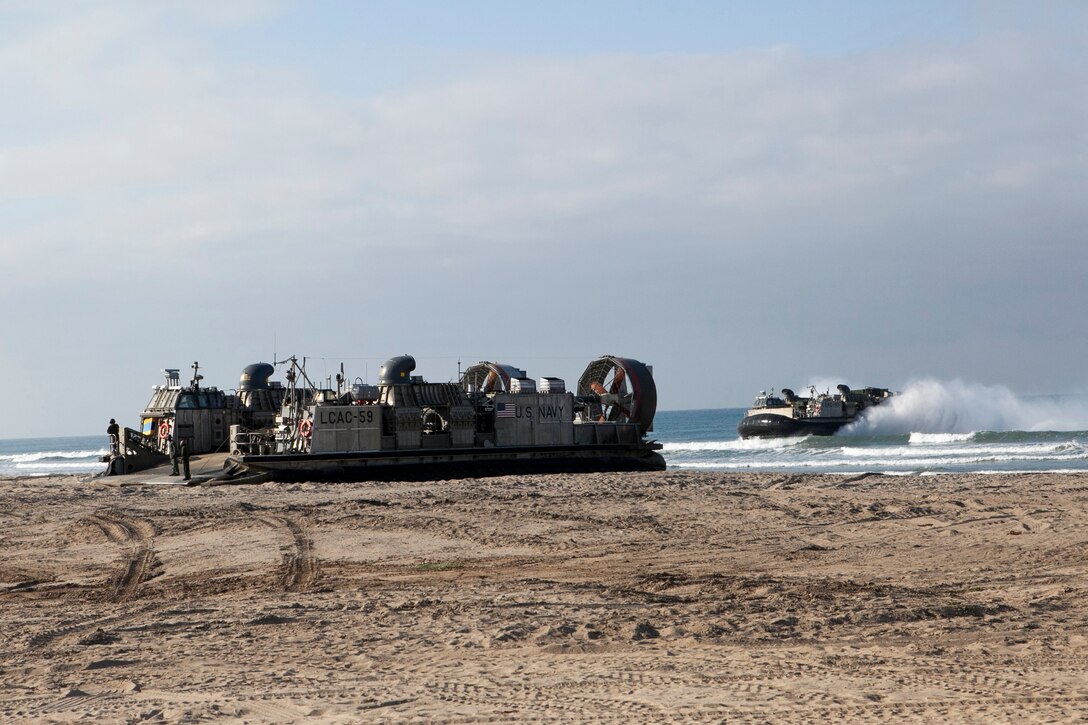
(114,432)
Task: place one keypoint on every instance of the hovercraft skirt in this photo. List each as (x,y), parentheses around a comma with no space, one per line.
(769,425)
(453,463)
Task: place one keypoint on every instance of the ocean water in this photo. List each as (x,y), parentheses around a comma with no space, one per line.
(929,427)
(76,455)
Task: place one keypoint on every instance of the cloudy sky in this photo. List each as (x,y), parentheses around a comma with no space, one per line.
(743,195)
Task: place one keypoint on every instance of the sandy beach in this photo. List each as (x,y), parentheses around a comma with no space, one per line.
(674,596)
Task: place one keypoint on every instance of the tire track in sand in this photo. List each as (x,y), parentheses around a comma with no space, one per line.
(138,535)
(300,566)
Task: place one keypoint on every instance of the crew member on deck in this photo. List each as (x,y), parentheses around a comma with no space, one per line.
(114,432)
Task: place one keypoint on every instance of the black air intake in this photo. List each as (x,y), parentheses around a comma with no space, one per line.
(255,376)
(397,370)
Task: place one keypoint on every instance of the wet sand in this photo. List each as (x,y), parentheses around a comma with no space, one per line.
(674,596)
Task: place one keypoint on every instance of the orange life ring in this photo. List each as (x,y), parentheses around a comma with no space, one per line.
(164,429)
(305,428)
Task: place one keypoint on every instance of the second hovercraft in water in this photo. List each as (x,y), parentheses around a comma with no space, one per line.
(820,414)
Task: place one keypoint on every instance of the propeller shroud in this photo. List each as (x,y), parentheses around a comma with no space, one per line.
(621,390)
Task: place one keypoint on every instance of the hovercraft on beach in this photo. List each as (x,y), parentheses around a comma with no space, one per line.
(494,420)
(820,414)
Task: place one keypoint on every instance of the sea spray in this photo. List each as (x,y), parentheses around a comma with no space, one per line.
(930,439)
(933,406)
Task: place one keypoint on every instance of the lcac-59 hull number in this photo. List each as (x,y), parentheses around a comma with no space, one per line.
(340,416)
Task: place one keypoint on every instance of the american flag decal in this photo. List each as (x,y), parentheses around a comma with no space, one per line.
(504,410)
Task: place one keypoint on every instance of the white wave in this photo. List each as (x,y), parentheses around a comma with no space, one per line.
(892,472)
(864,464)
(933,438)
(738,444)
(82,465)
(957,449)
(913,457)
(987,472)
(46,455)
(933,406)
(944,450)
(998,471)
(698,446)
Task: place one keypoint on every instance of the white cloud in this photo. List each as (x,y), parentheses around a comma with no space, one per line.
(707,137)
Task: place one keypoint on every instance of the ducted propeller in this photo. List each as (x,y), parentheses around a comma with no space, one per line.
(623,390)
